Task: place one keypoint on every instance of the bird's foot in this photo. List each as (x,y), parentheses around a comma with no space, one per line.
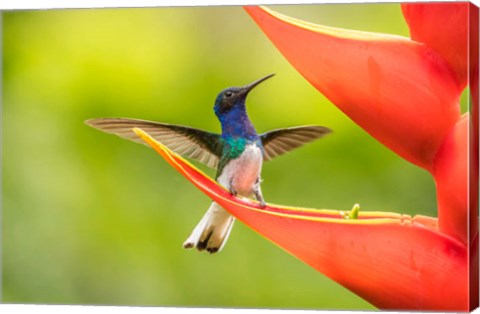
(232,191)
(262,203)
(258,195)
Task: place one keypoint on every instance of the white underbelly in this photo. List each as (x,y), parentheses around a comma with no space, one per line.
(242,173)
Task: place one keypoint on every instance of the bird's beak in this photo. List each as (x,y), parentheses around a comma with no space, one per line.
(247,88)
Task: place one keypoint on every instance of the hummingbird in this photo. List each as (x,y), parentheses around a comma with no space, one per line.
(237,154)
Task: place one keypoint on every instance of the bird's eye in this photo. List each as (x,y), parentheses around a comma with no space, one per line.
(228,94)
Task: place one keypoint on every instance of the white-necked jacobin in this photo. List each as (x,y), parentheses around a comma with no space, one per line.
(237,154)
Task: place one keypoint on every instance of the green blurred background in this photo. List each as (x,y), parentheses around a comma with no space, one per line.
(89,218)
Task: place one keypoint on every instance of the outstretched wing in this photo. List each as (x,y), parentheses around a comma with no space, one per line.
(278,142)
(192,143)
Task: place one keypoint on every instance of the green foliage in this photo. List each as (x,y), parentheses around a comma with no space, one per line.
(90,218)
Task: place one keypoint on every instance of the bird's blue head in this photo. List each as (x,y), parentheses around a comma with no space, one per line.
(230,102)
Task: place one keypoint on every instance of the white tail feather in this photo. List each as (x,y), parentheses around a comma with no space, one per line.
(212,232)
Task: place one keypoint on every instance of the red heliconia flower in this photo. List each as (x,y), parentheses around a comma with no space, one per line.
(405,93)
(393,261)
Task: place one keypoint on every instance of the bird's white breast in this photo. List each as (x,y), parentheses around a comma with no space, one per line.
(242,173)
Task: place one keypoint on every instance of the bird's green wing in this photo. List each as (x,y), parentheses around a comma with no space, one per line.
(192,143)
(278,142)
